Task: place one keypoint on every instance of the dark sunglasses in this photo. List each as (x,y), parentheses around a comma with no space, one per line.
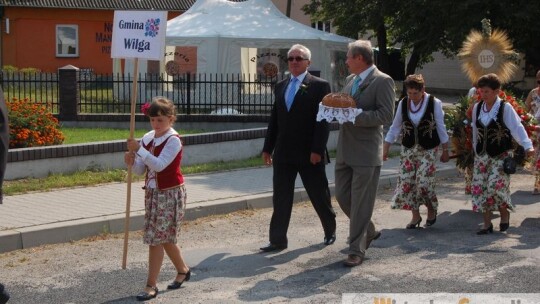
(290,59)
(538,81)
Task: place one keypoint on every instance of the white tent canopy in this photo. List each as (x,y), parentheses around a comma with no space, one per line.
(221,30)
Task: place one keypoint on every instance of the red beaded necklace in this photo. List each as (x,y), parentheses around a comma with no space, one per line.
(484,108)
(419,107)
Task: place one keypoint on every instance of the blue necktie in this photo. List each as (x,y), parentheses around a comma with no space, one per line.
(356,84)
(290,95)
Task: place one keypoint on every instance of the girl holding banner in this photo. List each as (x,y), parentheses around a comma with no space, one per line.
(159,155)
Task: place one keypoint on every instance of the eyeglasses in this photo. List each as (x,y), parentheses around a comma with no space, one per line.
(291,59)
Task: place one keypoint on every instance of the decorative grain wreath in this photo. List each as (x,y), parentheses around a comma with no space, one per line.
(270,69)
(172,68)
(488,52)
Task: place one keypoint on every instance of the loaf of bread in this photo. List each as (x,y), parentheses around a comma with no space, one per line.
(339,100)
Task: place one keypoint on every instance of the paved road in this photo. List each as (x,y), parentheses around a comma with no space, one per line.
(228,268)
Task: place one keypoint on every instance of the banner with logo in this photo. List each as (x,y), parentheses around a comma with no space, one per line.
(440,298)
(139,34)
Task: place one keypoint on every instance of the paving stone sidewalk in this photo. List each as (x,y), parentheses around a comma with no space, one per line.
(33,219)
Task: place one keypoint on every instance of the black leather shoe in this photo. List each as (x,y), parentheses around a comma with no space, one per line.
(329,240)
(414,225)
(431,222)
(504,226)
(4,295)
(486,230)
(273,247)
(177,284)
(145,296)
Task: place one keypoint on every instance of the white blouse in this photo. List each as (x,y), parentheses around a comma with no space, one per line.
(156,164)
(535,104)
(395,129)
(510,119)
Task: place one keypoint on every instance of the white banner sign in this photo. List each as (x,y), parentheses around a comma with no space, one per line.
(440,298)
(139,34)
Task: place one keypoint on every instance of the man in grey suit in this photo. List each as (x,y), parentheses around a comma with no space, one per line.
(359,148)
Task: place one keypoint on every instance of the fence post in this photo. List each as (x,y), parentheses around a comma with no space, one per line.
(68,93)
(188,90)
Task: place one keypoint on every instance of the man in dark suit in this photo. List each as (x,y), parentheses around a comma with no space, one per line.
(4,141)
(359,148)
(295,144)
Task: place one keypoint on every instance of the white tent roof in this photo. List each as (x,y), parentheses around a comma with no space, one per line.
(251,19)
(224,32)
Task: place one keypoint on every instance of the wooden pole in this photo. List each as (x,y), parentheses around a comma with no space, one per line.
(131,135)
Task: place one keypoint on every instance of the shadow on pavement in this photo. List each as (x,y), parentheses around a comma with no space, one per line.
(248,265)
(300,285)
(455,234)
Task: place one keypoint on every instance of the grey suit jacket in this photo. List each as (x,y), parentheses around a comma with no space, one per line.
(360,144)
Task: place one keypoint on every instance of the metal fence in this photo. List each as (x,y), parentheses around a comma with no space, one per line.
(41,88)
(192,94)
(111,93)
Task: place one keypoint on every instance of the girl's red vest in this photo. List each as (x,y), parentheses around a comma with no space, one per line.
(171,176)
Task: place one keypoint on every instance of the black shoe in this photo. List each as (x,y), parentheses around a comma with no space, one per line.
(369,240)
(329,240)
(485,231)
(431,222)
(177,284)
(273,247)
(145,296)
(504,226)
(4,295)
(414,225)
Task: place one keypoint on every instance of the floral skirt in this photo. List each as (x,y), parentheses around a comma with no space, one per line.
(536,188)
(490,186)
(164,212)
(416,180)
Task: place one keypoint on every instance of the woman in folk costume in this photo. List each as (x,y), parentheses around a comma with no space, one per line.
(494,123)
(420,120)
(159,155)
(533,106)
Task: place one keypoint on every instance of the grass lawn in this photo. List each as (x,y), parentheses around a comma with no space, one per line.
(86,135)
(89,178)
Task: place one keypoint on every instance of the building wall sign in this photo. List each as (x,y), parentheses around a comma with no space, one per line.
(105,37)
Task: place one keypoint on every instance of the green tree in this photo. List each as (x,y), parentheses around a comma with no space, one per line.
(356,18)
(422,27)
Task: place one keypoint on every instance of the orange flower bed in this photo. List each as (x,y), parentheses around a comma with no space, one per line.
(31,125)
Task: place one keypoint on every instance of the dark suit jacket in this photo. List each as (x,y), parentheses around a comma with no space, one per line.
(293,135)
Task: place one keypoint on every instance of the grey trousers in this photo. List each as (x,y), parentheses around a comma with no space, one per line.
(356,190)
